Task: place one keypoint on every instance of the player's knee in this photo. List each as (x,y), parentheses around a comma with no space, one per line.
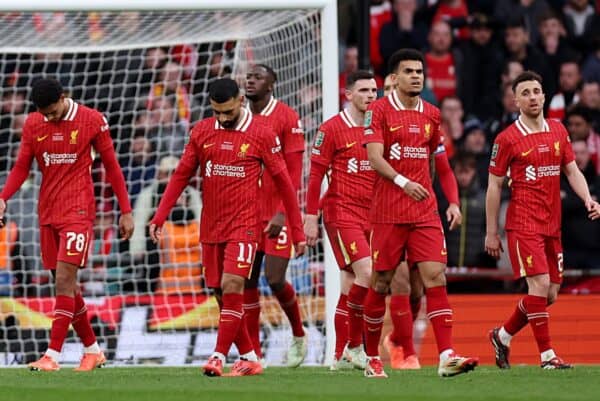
(400,287)
(232,285)
(552,296)
(434,278)
(276,284)
(381,284)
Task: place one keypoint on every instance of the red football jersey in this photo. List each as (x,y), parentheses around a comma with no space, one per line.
(282,119)
(338,146)
(63,151)
(231,163)
(441,75)
(409,137)
(533,161)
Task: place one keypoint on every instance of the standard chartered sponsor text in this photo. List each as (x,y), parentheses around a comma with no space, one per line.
(225,170)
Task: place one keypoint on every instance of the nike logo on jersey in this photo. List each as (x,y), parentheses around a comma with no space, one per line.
(242,266)
(349,145)
(69,253)
(396,128)
(526,153)
(41,138)
(444,252)
(280,247)
(207,145)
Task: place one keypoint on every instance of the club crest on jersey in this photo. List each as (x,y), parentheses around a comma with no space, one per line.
(494,151)
(529,260)
(353,248)
(74,134)
(557,148)
(427,131)
(368,118)
(319,139)
(243,150)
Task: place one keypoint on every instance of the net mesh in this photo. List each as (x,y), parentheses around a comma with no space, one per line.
(148,72)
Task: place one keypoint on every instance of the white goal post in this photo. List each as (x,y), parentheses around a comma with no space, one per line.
(298,36)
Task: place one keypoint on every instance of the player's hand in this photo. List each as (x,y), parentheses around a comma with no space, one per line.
(2,210)
(591,205)
(311,229)
(275,225)
(155,232)
(126,226)
(416,191)
(299,248)
(454,216)
(493,245)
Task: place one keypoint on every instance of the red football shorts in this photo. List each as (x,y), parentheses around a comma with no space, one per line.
(533,254)
(281,246)
(68,242)
(348,244)
(227,257)
(422,242)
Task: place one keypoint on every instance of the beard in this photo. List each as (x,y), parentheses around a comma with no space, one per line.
(253,97)
(229,124)
(414,93)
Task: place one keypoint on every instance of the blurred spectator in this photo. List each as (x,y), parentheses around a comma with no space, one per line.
(455,13)
(139,166)
(591,65)
(512,69)
(442,63)
(12,274)
(553,43)
(529,11)
(466,244)
(580,235)
(579,125)
(510,112)
(167,133)
(475,143)
(569,81)
(589,97)
(518,47)
(180,251)
(171,83)
(452,114)
(350,65)
(482,61)
(381,14)
(407,29)
(144,251)
(580,17)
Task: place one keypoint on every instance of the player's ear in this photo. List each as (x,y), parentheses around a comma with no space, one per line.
(348,94)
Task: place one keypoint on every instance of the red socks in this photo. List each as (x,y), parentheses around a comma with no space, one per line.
(440,316)
(374,310)
(63,314)
(252,317)
(289,303)
(341,326)
(356,300)
(229,322)
(518,320)
(400,311)
(81,323)
(538,320)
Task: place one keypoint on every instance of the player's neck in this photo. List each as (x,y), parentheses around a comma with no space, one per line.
(257,106)
(357,116)
(535,124)
(409,102)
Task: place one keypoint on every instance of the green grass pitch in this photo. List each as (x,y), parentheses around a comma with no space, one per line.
(188,384)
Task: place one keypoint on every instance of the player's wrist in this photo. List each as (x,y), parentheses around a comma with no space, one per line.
(401,180)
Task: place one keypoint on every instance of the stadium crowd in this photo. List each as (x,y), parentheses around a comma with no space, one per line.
(152,97)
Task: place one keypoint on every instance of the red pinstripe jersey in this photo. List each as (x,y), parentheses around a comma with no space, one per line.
(63,151)
(282,119)
(338,146)
(231,162)
(533,161)
(409,137)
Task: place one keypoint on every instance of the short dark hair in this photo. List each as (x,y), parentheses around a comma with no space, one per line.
(356,76)
(526,76)
(517,22)
(403,55)
(223,89)
(269,70)
(581,111)
(464,158)
(45,92)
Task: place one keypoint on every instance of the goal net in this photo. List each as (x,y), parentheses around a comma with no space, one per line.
(148,72)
